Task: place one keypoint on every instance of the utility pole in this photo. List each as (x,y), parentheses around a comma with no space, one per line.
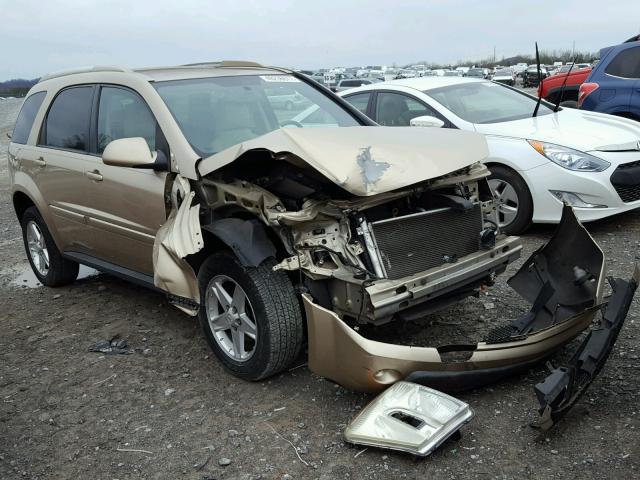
(494,54)
(573,50)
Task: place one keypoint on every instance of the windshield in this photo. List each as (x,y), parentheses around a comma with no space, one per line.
(504,73)
(476,71)
(218,112)
(486,102)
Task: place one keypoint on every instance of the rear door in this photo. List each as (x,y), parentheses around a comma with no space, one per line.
(618,91)
(57,164)
(126,205)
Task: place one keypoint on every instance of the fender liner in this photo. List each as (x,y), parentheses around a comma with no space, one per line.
(247,238)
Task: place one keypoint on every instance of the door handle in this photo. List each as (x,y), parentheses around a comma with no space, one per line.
(40,162)
(95,175)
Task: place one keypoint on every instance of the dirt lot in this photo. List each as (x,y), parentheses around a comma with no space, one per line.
(67,413)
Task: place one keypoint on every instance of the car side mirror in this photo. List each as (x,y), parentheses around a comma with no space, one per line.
(426,121)
(129,152)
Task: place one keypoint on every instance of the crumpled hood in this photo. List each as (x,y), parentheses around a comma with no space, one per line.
(367,160)
(578,129)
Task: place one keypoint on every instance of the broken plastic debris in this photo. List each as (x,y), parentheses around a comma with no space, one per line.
(115,346)
(410,418)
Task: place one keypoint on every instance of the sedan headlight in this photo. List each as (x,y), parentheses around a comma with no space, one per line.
(569,158)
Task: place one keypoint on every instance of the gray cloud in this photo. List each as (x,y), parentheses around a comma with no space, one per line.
(40,37)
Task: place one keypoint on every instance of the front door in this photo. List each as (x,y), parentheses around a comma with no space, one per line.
(127,205)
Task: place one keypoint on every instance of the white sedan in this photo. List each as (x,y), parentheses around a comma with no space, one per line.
(588,160)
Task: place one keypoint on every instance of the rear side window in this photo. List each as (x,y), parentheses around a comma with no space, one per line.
(26,116)
(69,119)
(123,114)
(626,64)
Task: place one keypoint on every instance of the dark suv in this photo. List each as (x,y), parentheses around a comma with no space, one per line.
(614,84)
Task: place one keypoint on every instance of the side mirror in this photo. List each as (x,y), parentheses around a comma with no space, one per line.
(426,121)
(129,152)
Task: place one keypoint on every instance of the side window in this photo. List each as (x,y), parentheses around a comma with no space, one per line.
(69,118)
(397,110)
(360,101)
(626,64)
(123,114)
(26,116)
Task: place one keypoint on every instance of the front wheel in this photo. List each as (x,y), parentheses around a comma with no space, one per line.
(251,317)
(513,198)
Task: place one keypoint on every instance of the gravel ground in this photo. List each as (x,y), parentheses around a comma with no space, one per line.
(168,410)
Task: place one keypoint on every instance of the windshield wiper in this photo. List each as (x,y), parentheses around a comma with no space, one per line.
(535,110)
(573,62)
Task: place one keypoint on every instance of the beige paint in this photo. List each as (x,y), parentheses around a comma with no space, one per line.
(339,353)
(363,160)
(179,237)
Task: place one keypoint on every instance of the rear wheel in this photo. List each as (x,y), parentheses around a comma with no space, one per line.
(251,317)
(48,264)
(514,203)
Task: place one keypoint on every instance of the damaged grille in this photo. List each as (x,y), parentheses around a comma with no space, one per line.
(418,242)
(628,192)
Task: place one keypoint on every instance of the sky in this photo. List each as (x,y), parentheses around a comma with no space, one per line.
(42,36)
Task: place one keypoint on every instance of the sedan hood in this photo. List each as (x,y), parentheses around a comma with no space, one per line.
(366,160)
(585,131)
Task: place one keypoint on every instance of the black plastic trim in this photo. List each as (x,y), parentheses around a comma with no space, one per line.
(133,276)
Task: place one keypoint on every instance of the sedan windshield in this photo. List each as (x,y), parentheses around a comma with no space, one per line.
(486,102)
(218,112)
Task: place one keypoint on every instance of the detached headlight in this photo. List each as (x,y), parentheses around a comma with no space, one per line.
(569,158)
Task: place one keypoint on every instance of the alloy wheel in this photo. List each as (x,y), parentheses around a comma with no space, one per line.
(231,318)
(507,201)
(37,248)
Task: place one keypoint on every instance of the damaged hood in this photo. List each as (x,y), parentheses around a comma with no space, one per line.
(366,160)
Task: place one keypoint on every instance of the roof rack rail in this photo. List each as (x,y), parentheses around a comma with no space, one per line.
(225,63)
(63,73)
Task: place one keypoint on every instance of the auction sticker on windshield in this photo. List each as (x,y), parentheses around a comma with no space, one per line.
(279,78)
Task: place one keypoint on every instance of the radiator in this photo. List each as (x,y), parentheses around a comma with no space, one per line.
(415,243)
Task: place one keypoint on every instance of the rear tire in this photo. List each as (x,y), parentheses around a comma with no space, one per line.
(270,311)
(511,192)
(47,263)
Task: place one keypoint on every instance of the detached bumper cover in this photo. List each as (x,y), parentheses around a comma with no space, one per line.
(563,387)
(563,282)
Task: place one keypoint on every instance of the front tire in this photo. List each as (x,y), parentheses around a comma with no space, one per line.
(47,263)
(251,317)
(514,202)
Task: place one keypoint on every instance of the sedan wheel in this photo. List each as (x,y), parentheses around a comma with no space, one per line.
(514,204)
(231,318)
(507,201)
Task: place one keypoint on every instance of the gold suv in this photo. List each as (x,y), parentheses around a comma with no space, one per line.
(257,199)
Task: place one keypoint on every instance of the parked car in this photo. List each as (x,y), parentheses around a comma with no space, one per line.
(477,73)
(587,160)
(555,86)
(354,82)
(530,76)
(195,181)
(614,83)
(505,76)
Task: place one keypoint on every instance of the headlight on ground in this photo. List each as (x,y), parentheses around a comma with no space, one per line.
(569,158)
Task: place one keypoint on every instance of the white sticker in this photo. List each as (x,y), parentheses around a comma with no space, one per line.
(280,78)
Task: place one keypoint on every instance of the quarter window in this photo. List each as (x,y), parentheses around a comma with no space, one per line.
(26,116)
(123,114)
(626,64)
(69,118)
(360,101)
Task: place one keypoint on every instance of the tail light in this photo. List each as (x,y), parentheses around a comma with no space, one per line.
(585,90)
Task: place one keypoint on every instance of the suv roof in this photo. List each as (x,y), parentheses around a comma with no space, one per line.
(193,70)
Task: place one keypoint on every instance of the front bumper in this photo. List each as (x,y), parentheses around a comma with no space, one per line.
(563,282)
(592,187)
